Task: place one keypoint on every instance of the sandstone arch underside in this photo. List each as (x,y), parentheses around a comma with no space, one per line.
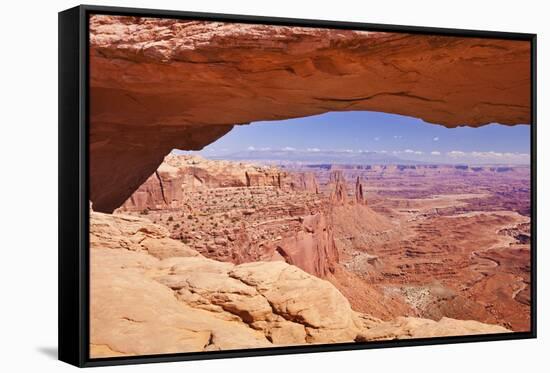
(158,84)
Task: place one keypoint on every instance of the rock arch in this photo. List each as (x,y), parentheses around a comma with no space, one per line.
(158,84)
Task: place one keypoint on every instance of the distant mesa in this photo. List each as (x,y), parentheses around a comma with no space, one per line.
(317,157)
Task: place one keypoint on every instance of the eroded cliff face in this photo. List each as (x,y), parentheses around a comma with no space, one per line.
(150,294)
(180,174)
(159,84)
(240,212)
(313,248)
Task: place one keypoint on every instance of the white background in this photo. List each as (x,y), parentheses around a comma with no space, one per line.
(28,195)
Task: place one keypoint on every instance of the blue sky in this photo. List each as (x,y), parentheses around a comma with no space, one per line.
(361,131)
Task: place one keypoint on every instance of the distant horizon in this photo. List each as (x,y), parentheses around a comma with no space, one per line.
(358,136)
(399,161)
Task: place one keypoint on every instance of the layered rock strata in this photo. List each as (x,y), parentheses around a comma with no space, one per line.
(240,212)
(179,175)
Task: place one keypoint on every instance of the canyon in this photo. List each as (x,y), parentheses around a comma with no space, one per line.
(151,294)
(430,259)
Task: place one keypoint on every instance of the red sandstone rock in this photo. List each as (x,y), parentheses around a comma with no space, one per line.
(312,249)
(304,181)
(231,187)
(384,263)
(179,174)
(338,189)
(159,84)
(359,194)
(183,302)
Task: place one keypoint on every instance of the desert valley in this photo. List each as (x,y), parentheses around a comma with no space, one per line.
(379,251)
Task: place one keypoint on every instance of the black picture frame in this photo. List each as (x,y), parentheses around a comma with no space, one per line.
(73,215)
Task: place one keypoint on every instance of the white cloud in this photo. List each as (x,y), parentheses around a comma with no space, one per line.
(313,149)
(408,152)
(415,152)
(499,155)
(251,148)
(490,157)
(288,148)
(456,153)
(435,152)
(435,138)
(398,137)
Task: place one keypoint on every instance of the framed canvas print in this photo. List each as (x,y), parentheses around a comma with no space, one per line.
(235,186)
